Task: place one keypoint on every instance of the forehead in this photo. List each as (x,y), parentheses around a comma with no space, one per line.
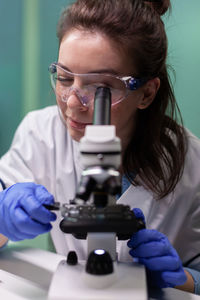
(84,51)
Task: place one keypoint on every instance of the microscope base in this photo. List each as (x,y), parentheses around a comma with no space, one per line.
(72,283)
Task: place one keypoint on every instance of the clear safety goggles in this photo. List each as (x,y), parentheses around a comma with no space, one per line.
(63,84)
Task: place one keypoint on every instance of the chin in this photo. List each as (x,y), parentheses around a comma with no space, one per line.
(76,135)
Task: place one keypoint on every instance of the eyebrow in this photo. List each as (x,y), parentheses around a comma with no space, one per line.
(99,71)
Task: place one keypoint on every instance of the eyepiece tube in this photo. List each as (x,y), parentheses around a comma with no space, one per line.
(102,106)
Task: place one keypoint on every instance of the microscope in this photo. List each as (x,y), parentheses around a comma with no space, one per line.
(94,215)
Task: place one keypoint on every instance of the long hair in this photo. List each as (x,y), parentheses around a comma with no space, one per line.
(157,149)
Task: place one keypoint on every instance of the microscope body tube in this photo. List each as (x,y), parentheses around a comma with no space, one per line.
(102,106)
(100,148)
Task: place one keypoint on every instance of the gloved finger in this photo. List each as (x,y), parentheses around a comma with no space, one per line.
(36,210)
(151,249)
(139,214)
(174,278)
(161,263)
(26,225)
(43,195)
(13,233)
(13,196)
(18,236)
(145,236)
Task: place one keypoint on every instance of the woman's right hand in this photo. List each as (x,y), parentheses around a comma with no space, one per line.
(22,214)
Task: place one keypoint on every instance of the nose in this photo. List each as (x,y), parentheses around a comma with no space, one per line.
(74,102)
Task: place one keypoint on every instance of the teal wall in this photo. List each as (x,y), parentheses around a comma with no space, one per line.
(183,30)
(28,45)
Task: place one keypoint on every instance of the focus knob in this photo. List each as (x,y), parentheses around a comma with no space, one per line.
(99,263)
(72,258)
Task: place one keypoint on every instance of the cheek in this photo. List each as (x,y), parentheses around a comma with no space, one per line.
(118,116)
(61,104)
(116,111)
(123,113)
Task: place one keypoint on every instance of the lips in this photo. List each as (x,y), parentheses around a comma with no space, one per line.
(77,125)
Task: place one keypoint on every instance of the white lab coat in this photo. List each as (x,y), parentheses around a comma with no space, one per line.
(43,151)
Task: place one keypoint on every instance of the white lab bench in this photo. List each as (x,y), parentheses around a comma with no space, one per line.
(26,273)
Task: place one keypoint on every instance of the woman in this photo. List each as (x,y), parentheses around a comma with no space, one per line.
(123,45)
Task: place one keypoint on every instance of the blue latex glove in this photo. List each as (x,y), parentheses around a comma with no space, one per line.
(153,249)
(22,215)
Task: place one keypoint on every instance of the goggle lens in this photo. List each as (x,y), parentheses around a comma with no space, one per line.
(63,84)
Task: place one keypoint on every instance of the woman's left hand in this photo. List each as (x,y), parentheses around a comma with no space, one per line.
(153,249)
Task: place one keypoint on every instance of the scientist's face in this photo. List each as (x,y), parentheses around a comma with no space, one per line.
(85,52)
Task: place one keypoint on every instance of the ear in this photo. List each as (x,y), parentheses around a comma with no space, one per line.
(149,92)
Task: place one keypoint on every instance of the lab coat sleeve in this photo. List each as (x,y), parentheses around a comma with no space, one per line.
(15,164)
(186,209)
(194,225)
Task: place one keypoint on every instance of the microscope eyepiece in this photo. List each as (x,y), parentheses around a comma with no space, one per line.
(102,106)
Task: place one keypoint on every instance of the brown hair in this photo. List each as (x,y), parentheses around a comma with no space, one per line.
(158,146)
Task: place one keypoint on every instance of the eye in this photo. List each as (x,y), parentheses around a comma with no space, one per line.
(65,80)
(109,81)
